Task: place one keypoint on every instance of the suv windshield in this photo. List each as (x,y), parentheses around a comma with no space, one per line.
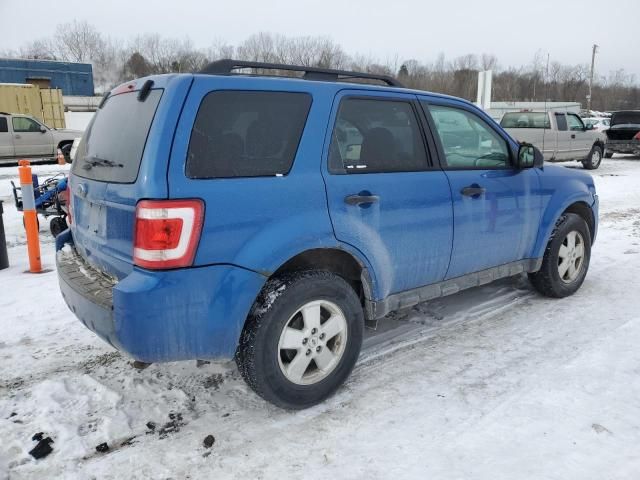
(525,120)
(111,148)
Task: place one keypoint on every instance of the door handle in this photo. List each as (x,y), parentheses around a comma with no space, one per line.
(573,136)
(473,191)
(17,135)
(361,199)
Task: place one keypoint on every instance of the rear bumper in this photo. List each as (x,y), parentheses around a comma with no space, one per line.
(622,146)
(159,316)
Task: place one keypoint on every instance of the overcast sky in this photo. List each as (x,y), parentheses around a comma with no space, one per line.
(512,30)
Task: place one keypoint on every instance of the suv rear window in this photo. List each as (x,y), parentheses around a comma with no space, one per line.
(111,147)
(525,120)
(246,134)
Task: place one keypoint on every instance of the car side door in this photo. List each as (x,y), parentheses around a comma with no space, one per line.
(496,206)
(387,199)
(581,138)
(30,138)
(6,138)
(563,135)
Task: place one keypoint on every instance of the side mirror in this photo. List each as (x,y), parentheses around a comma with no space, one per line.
(588,126)
(43,130)
(529,157)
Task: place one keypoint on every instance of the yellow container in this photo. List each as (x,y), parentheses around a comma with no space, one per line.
(44,104)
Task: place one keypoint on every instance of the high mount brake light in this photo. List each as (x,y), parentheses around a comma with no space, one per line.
(167,232)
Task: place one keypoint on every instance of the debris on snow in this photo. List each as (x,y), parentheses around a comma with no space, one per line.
(102,448)
(43,448)
(208,441)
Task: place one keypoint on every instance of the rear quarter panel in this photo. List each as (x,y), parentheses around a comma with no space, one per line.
(259,223)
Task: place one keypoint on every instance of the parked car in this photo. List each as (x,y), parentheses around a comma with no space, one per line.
(22,136)
(224,215)
(623,135)
(599,124)
(562,136)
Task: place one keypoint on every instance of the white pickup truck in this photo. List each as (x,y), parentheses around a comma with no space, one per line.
(22,136)
(561,136)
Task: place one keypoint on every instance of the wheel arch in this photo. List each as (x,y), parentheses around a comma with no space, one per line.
(579,206)
(64,143)
(336,260)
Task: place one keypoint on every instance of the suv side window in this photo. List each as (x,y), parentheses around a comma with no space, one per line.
(561,120)
(23,124)
(246,134)
(4,126)
(575,123)
(376,136)
(468,141)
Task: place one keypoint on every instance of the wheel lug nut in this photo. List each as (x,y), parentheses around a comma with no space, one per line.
(322,336)
(313,331)
(309,352)
(318,349)
(304,341)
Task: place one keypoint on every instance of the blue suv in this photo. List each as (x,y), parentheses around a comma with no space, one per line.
(237,213)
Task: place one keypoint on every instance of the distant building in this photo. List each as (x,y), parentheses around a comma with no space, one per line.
(71,78)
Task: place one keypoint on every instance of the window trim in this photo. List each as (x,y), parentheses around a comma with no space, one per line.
(230,90)
(428,166)
(428,102)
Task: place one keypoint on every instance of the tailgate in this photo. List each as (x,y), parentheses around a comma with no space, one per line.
(122,157)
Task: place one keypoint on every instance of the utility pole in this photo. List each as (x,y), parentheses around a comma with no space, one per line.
(593,62)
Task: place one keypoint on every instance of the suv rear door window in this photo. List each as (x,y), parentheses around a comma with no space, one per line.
(112,146)
(376,136)
(4,127)
(246,134)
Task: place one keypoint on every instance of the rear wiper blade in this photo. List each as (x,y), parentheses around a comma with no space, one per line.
(90,162)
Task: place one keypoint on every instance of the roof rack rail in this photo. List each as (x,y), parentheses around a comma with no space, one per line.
(227,66)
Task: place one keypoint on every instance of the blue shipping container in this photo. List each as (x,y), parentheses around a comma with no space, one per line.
(72,78)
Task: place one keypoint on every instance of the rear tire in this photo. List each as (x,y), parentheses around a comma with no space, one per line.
(289,351)
(57,225)
(594,159)
(566,259)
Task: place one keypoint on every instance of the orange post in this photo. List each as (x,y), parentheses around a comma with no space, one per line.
(61,160)
(30,216)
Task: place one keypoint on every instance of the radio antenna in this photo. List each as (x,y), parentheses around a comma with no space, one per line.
(546,114)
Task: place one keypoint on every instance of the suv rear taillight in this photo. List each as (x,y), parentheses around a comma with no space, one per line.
(166,233)
(637,136)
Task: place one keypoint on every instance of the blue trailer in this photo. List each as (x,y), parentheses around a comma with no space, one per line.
(71,78)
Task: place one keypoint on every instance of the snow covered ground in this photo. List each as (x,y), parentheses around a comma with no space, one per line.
(493,383)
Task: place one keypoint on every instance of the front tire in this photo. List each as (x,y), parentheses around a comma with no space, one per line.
(566,259)
(302,338)
(594,159)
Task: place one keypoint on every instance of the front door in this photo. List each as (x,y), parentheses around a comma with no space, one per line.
(28,138)
(581,138)
(496,207)
(386,198)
